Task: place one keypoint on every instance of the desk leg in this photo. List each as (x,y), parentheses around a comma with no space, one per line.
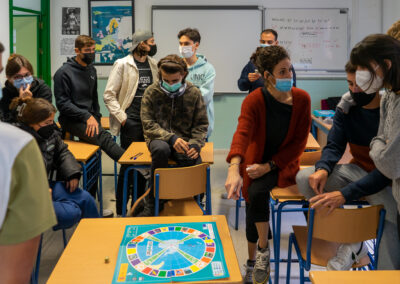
(125,190)
(135,186)
(84,176)
(100,194)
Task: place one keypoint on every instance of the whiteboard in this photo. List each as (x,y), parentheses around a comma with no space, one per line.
(229,35)
(316,39)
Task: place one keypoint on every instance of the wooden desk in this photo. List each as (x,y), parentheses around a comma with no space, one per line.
(207,154)
(312,144)
(105,122)
(81,151)
(83,259)
(355,277)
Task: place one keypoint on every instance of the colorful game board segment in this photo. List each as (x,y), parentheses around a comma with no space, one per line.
(172,252)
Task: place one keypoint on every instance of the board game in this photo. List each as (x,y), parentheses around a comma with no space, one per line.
(161,253)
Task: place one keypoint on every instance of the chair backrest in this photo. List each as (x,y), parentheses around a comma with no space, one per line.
(310,158)
(184,182)
(347,225)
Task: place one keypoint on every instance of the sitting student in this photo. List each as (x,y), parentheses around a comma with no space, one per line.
(355,122)
(201,72)
(75,90)
(36,116)
(129,78)
(271,135)
(250,78)
(23,184)
(20,83)
(174,121)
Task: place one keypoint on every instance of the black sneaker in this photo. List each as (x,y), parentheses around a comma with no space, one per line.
(261,268)
(248,277)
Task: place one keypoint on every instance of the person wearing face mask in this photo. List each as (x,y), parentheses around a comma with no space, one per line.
(174,121)
(75,90)
(36,116)
(250,78)
(271,135)
(355,123)
(129,78)
(201,72)
(20,83)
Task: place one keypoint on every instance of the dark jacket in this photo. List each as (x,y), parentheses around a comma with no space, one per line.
(167,119)
(244,83)
(39,89)
(56,155)
(75,90)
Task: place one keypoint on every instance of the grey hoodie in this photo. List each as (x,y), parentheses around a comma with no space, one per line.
(385,147)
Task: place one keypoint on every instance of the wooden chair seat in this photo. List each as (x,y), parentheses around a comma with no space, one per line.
(286,193)
(181,207)
(321,251)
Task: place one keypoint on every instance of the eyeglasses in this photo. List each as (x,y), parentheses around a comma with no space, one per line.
(19,76)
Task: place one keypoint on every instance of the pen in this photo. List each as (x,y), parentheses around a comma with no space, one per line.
(134,157)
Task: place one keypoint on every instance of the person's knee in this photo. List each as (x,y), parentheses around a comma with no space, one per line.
(67,214)
(302,182)
(160,149)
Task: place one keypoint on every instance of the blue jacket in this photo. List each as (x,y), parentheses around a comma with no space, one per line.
(202,75)
(356,126)
(245,85)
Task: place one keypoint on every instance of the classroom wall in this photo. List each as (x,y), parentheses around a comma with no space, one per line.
(4,35)
(365,15)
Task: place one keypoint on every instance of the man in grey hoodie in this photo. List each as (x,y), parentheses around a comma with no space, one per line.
(201,72)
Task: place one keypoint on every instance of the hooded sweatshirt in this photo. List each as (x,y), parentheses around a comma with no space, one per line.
(75,90)
(38,88)
(202,75)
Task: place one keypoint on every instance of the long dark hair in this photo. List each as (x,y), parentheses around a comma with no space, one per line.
(378,48)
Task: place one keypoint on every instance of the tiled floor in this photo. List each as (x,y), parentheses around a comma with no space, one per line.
(53,244)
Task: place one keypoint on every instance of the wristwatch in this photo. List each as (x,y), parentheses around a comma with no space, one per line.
(272,165)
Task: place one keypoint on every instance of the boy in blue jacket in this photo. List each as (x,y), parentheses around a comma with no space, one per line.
(201,72)
(356,122)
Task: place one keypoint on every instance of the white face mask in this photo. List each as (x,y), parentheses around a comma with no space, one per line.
(366,83)
(186,51)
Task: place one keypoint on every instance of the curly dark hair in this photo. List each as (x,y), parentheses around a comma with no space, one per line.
(172,64)
(266,58)
(192,34)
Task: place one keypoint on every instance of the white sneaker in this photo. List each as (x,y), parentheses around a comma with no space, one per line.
(347,255)
(108,213)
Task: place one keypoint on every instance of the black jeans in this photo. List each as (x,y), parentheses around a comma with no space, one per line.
(257,209)
(103,139)
(160,153)
(132,131)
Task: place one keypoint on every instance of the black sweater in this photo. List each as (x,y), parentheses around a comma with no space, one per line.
(75,90)
(39,89)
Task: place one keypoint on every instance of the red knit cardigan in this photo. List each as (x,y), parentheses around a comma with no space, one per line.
(249,139)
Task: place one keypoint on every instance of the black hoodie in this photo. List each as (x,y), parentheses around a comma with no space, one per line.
(75,90)
(38,88)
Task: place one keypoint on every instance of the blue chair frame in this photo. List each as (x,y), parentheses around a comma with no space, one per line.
(305,264)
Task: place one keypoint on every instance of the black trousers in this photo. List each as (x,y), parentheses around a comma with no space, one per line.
(103,139)
(160,153)
(132,131)
(257,209)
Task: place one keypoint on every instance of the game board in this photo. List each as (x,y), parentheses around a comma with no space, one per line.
(162,253)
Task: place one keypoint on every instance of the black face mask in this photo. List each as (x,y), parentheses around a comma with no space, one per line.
(46,131)
(361,98)
(153,50)
(88,58)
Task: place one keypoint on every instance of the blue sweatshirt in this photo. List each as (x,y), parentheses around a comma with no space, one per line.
(202,75)
(244,83)
(357,127)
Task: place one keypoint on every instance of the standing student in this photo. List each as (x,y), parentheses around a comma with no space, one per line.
(271,135)
(123,95)
(250,78)
(174,122)
(21,83)
(356,122)
(201,72)
(23,185)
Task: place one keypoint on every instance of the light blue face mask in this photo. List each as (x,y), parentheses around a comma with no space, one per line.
(264,44)
(23,82)
(284,85)
(171,88)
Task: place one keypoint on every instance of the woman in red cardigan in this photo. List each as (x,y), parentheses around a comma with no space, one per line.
(271,135)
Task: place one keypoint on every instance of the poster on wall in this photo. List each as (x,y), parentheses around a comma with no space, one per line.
(67,46)
(71,21)
(111,25)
